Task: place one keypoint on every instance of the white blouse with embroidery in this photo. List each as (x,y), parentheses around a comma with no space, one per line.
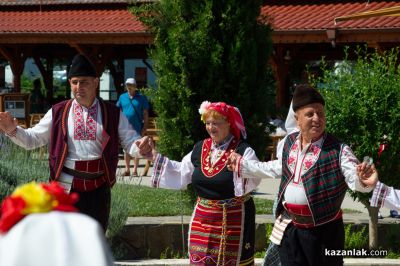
(385,196)
(177,175)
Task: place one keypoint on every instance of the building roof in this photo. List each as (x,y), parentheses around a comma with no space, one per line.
(292,21)
(57,2)
(286,15)
(63,20)
(313,21)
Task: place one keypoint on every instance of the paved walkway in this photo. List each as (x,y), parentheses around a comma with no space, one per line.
(185,262)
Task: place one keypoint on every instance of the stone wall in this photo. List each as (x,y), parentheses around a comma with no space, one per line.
(161,237)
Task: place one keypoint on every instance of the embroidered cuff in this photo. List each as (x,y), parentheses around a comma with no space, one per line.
(158,166)
(379,195)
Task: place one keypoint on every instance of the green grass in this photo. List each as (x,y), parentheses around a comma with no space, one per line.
(146,201)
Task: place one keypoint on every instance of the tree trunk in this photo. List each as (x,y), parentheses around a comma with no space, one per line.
(373,227)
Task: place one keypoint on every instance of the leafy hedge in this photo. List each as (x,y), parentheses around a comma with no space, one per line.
(363,104)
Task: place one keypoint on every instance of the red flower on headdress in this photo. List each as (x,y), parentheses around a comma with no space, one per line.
(11,212)
(232,114)
(65,201)
(34,198)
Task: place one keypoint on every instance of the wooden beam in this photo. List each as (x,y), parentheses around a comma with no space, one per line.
(280,68)
(84,38)
(346,36)
(47,74)
(16,57)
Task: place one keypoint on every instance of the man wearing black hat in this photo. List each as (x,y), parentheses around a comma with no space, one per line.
(83,135)
(315,171)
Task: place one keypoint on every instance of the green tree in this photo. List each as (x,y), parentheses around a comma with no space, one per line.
(362,105)
(213,50)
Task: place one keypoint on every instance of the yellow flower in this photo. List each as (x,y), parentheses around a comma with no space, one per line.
(37,199)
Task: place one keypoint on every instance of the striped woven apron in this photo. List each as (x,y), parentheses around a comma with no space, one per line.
(217,232)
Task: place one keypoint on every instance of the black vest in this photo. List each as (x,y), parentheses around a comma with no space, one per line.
(217,187)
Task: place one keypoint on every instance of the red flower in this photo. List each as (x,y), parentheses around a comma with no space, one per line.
(11,212)
(65,201)
(28,199)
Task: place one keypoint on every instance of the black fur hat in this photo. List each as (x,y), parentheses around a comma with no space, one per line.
(304,95)
(81,66)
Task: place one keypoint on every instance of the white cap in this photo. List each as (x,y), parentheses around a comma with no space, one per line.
(65,238)
(130,81)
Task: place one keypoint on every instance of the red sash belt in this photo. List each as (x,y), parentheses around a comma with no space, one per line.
(302,217)
(300,214)
(88,175)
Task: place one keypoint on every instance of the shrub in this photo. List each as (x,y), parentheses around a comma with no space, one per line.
(19,166)
(355,237)
(363,104)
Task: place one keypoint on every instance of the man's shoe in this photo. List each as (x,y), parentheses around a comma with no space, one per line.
(394,214)
(380,215)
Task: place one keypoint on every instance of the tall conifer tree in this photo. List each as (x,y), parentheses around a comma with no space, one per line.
(215,50)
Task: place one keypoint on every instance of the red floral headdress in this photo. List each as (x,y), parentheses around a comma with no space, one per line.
(34,198)
(232,114)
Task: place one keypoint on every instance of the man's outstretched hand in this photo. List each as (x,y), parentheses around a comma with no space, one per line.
(8,123)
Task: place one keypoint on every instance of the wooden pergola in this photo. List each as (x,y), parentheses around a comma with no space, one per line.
(107,32)
(306,31)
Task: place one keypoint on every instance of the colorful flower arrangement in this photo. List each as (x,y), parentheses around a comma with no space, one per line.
(34,198)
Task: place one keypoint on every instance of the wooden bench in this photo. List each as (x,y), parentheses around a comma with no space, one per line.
(271,149)
(35,118)
(152,131)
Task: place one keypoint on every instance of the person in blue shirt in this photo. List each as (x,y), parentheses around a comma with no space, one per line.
(135,107)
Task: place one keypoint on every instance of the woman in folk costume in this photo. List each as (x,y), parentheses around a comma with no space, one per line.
(222,229)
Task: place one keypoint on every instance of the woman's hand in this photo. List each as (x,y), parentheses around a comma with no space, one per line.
(154,152)
(368,174)
(144,145)
(233,161)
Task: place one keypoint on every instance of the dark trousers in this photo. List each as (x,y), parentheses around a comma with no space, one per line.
(96,203)
(304,247)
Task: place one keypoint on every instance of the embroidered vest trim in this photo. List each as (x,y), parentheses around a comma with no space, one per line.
(207,168)
(324,183)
